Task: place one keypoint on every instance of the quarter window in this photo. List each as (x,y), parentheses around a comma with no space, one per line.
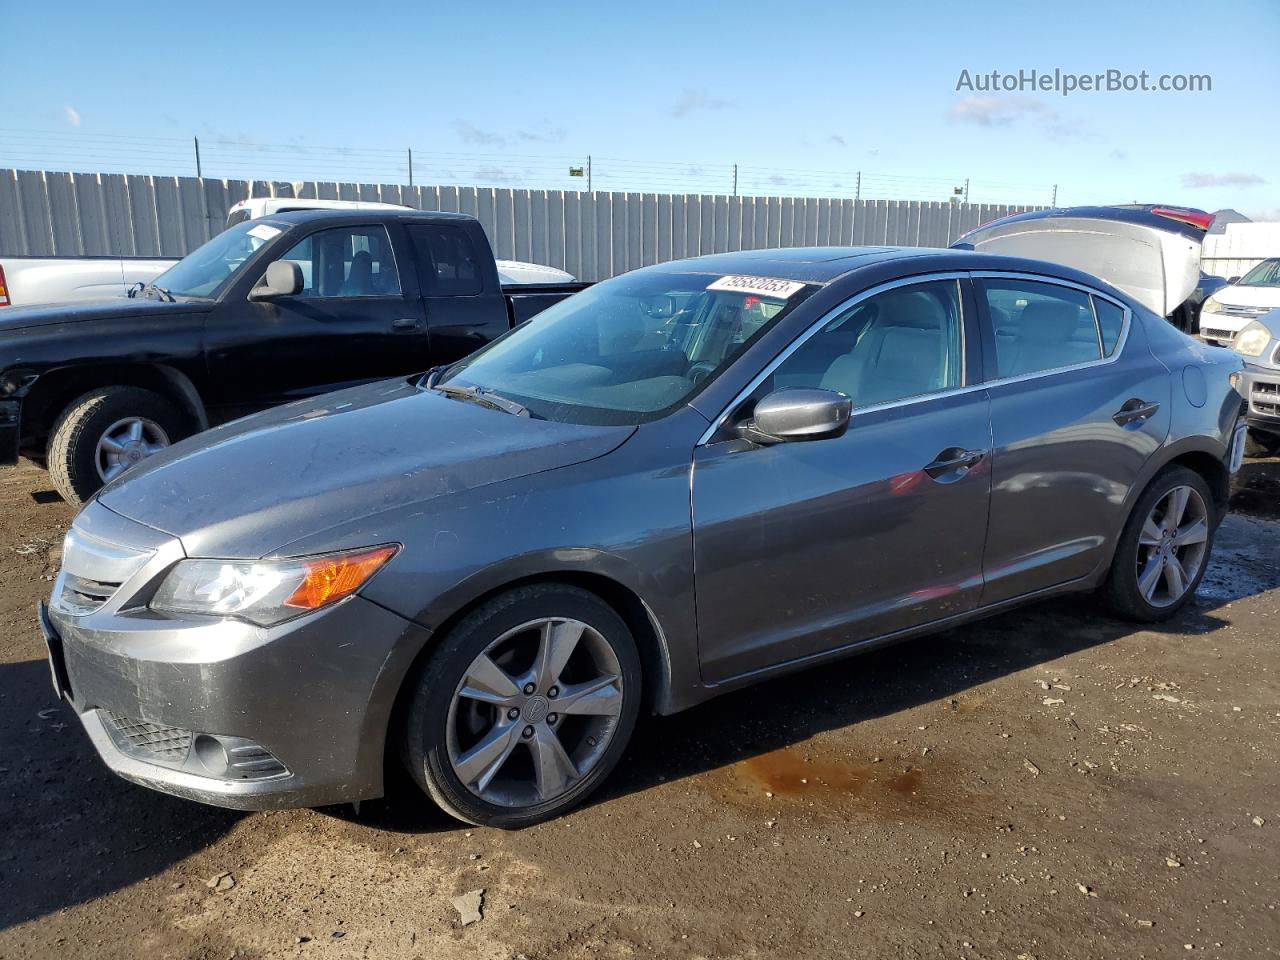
(902,343)
(346,262)
(1041,326)
(1110,324)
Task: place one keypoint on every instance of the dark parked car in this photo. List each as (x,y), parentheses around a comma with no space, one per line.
(492,569)
(266,312)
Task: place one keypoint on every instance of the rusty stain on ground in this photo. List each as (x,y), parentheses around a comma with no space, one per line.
(788,773)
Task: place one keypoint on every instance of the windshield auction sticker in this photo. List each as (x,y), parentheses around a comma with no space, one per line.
(757,286)
(264,232)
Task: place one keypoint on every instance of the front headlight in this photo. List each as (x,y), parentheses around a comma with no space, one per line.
(1211,306)
(267,592)
(1252,340)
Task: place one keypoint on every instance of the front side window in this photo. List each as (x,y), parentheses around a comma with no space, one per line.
(903,343)
(1040,326)
(346,262)
(629,349)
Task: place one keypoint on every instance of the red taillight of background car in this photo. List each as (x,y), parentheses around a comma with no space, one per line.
(4,290)
(1197,218)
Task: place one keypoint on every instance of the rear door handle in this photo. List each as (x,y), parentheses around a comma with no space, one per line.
(406,323)
(1135,411)
(953,463)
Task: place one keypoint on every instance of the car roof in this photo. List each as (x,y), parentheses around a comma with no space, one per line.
(293,217)
(825,265)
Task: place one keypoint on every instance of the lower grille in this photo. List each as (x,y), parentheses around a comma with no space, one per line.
(81,596)
(1212,333)
(153,741)
(1265,399)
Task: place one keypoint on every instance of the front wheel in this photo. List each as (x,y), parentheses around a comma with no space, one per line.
(1163,549)
(524,708)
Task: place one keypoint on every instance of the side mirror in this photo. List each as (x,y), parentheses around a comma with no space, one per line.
(1233,279)
(798,413)
(282,279)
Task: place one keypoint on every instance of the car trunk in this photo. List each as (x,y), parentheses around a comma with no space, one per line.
(1150,253)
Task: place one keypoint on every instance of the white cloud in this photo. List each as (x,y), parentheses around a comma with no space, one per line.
(1195,181)
(691,100)
(997,111)
(72,115)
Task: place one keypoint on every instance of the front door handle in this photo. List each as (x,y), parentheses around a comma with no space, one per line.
(953,463)
(406,323)
(1135,411)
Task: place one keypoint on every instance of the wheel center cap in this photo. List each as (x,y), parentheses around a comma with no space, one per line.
(536,709)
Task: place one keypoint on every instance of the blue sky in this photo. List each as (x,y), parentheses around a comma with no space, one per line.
(663,95)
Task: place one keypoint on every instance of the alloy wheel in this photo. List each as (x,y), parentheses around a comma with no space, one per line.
(1171,546)
(534,712)
(127,442)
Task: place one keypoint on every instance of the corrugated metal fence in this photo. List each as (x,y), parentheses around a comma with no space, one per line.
(592,235)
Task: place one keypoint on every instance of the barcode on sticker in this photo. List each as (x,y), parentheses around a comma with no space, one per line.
(756,286)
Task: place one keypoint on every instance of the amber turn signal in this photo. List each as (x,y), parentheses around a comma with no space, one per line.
(331,578)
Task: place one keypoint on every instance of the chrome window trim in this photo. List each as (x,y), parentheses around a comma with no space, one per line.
(843,307)
(1127,322)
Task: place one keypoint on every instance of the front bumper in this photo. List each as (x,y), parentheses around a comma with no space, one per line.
(224,712)
(1261,387)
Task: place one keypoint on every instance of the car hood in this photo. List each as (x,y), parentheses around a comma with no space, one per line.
(21,318)
(246,488)
(1240,296)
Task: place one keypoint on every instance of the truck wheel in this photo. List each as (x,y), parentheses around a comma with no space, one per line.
(1257,444)
(524,707)
(103,433)
(1163,549)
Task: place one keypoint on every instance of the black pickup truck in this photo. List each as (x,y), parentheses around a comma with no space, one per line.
(268,311)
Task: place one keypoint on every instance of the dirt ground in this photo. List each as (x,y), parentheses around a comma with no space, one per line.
(1049,784)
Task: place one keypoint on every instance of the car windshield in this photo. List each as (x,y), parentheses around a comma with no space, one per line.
(629,349)
(1265,274)
(202,272)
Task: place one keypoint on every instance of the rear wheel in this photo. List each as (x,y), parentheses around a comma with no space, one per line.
(1163,549)
(524,708)
(105,432)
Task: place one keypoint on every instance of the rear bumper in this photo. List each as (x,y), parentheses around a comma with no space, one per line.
(234,716)
(1261,387)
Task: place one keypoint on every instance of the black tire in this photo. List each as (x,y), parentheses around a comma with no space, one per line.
(73,444)
(1121,592)
(423,746)
(1260,445)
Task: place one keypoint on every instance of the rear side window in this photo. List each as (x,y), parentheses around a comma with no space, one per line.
(1110,323)
(1040,326)
(450,262)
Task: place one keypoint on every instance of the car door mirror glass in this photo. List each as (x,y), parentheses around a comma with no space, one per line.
(282,279)
(798,413)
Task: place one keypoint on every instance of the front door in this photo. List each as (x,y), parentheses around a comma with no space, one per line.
(805,547)
(351,323)
(1078,405)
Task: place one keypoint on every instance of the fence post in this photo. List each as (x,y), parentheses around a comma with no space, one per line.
(1053,197)
(857,191)
(966,189)
(589,173)
(197,143)
(735,179)
(411,166)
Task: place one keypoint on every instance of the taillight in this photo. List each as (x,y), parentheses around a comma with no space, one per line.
(1197,218)
(4,290)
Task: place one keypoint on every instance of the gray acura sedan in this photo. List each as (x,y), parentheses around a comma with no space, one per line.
(683,480)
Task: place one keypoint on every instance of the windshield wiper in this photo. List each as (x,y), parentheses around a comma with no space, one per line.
(485,398)
(164,294)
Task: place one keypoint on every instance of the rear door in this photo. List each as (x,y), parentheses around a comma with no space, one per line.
(805,547)
(463,303)
(356,319)
(1078,404)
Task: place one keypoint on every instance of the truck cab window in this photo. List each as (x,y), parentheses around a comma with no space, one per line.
(346,262)
(450,264)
